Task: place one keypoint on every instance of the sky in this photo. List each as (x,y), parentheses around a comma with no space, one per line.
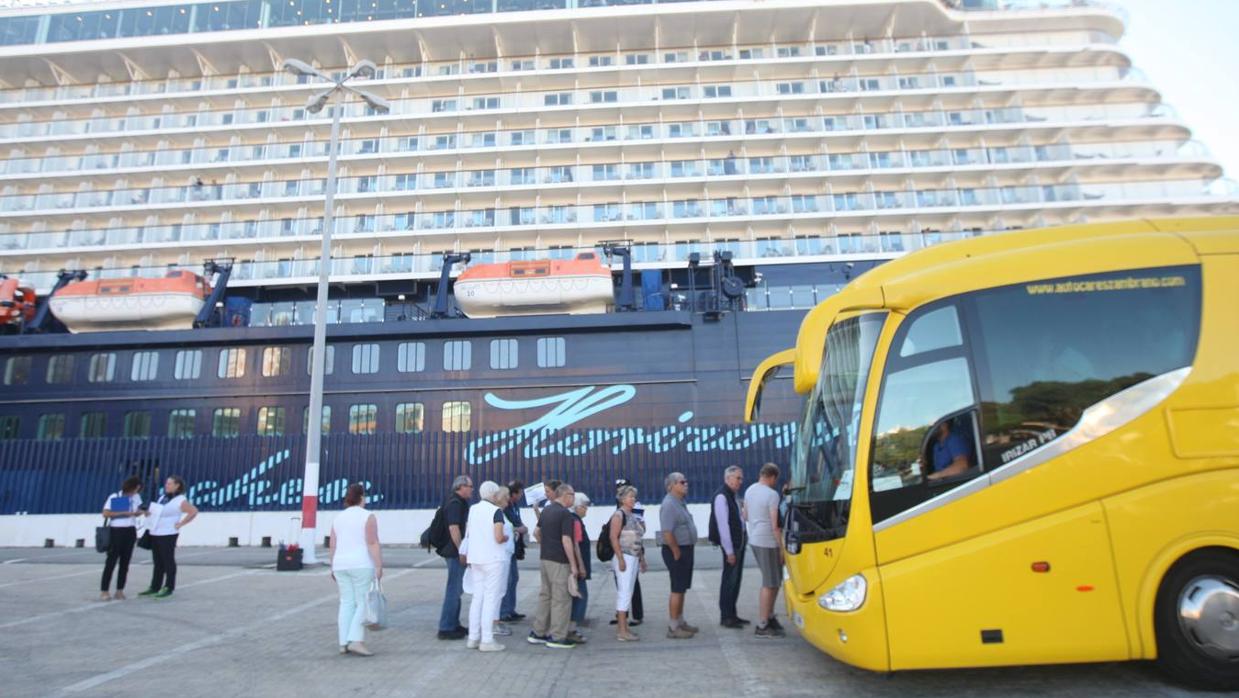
(1189,49)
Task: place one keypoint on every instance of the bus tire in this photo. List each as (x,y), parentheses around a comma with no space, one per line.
(1202,654)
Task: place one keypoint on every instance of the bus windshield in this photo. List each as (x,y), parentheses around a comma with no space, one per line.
(824,458)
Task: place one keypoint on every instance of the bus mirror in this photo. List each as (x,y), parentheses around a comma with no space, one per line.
(766,371)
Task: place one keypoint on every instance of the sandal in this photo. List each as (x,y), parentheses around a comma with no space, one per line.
(630,637)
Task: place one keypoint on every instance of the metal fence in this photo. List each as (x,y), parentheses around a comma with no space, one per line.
(404,471)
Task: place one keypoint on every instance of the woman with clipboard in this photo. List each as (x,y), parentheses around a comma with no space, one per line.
(121,510)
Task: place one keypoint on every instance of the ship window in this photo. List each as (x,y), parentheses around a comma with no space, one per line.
(363,419)
(102,368)
(226,422)
(503,353)
(551,352)
(10,425)
(51,427)
(181,423)
(93,425)
(17,370)
(411,357)
(457,416)
(145,366)
(188,364)
(457,355)
(60,368)
(410,418)
(275,361)
(138,424)
(231,363)
(270,421)
(325,428)
(366,358)
(329,362)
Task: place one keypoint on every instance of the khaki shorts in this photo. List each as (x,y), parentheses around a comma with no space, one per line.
(769,564)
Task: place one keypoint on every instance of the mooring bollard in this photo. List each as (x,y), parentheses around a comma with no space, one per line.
(49,543)
(233,542)
(266,541)
(80,543)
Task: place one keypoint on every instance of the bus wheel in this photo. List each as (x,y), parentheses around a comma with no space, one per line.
(1196,619)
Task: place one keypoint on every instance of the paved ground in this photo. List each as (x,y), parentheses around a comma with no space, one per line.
(237,628)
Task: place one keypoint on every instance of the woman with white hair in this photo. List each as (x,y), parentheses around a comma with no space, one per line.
(580,505)
(485,541)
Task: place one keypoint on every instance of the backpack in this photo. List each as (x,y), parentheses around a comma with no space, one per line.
(603,548)
(435,537)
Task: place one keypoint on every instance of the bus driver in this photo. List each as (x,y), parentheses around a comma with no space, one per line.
(950,453)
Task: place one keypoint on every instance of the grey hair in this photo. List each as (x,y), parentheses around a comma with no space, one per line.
(732,470)
(488,490)
(624,491)
(503,495)
(461,481)
(581,500)
(672,479)
(563,489)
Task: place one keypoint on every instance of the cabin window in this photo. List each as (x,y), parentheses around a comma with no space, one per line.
(363,419)
(366,358)
(188,364)
(226,422)
(10,426)
(551,352)
(503,353)
(145,366)
(93,426)
(305,420)
(60,368)
(181,423)
(51,427)
(138,424)
(457,416)
(102,368)
(329,362)
(232,363)
(270,421)
(275,361)
(410,418)
(411,357)
(457,355)
(17,370)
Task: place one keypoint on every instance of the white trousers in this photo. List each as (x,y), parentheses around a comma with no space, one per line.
(354,586)
(488,588)
(625,581)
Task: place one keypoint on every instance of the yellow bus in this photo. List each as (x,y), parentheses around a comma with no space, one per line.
(1023,449)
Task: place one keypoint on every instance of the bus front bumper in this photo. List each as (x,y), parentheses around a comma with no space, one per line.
(854,637)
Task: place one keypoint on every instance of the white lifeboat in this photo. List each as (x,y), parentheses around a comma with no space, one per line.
(574,286)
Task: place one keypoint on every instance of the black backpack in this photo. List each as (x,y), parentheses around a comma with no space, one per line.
(603,548)
(436,537)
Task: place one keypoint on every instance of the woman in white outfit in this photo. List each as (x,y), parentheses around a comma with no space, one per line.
(167,516)
(356,561)
(626,531)
(502,498)
(486,537)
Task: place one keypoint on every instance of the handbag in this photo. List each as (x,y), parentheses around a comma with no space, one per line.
(103,536)
(376,607)
(145,541)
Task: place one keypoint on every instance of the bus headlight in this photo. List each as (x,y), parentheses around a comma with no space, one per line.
(848,596)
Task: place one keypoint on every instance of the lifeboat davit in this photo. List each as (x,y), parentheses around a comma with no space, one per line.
(137,303)
(574,286)
(17,302)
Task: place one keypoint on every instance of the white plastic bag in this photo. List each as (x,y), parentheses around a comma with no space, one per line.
(376,607)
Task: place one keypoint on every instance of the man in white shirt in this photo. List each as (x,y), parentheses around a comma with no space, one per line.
(761,503)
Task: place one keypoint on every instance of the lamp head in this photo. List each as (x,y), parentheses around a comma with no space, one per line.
(363,69)
(297,67)
(316,102)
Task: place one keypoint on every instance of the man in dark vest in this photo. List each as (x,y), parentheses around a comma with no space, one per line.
(727,531)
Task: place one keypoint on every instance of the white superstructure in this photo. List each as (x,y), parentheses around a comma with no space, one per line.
(135,136)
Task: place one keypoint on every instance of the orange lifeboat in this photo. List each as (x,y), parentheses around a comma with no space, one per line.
(170,303)
(17,302)
(574,286)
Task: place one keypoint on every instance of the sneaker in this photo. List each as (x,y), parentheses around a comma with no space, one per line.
(457,634)
(634,622)
(472,644)
(630,637)
(765,631)
(774,623)
(491,647)
(733,623)
(502,630)
(163,593)
(678,634)
(517,617)
(536,639)
(690,628)
(148,592)
(564,644)
(577,637)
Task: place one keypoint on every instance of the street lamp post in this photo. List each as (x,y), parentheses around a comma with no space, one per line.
(314,421)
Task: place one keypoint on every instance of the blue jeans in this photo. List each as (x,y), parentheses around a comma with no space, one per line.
(449,617)
(354,586)
(579,604)
(508,606)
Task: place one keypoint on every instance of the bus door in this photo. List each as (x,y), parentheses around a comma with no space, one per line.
(960,588)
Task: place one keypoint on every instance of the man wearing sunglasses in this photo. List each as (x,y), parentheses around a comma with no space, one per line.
(679,534)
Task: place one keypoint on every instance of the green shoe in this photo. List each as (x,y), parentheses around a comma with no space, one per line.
(163,593)
(148,592)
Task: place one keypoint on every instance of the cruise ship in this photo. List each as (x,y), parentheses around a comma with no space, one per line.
(742,158)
